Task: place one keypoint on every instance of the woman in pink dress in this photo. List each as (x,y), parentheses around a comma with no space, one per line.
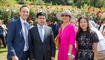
(67,36)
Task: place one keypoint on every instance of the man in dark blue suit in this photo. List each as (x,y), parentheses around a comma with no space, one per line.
(55,28)
(17,37)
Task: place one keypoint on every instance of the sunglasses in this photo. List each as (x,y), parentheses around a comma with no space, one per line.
(65,15)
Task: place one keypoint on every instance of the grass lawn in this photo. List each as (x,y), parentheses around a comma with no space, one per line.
(3,54)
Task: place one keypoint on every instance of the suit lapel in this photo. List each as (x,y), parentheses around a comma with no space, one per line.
(20,27)
(45,34)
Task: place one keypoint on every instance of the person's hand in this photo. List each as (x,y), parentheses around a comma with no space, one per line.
(70,57)
(52,58)
(33,59)
(15,58)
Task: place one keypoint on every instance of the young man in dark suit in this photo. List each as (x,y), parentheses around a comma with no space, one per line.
(42,40)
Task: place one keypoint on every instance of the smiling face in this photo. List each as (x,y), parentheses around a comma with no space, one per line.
(65,18)
(24,13)
(41,20)
(83,24)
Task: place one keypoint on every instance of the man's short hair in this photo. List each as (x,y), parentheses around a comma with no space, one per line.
(23,6)
(40,14)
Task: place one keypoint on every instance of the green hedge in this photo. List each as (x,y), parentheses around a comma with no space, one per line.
(6,12)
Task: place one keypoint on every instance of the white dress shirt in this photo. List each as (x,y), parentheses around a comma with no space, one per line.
(101,29)
(101,43)
(26,47)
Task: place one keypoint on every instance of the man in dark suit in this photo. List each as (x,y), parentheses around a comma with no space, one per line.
(42,46)
(17,37)
(55,28)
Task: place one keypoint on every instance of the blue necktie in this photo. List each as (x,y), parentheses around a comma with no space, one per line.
(26,30)
(41,34)
(26,36)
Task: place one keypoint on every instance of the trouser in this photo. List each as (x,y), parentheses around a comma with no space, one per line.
(3,40)
(25,56)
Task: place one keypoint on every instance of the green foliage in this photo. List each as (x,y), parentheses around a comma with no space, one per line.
(5,15)
(99,3)
(8,11)
(38,2)
(22,2)
(94,3)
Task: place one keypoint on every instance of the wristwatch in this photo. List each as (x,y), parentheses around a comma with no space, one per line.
(69,54)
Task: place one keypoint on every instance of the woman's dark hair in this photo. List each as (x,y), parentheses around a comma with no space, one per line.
(80,29)
(40,14)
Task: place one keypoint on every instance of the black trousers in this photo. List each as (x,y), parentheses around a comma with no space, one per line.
(3,40)
(25,55)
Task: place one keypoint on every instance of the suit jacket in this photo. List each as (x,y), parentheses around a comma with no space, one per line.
(55,27)
(42,50)
(15,40)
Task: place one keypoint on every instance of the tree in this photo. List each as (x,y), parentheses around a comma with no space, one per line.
(22,1)
(75,1)
(94,3)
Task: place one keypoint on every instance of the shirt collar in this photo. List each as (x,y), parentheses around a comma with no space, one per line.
(22,21)
(39,26)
